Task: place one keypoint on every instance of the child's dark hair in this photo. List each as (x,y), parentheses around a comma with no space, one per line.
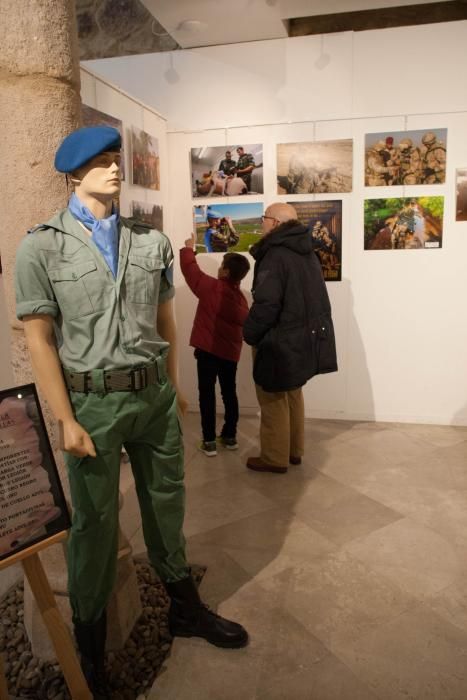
(237,265)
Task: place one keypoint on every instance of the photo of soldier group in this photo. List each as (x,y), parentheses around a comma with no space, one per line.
(405,158)
(145,159)
(324,219)
(147,214)
(226,228)
(319,166)
(93,117)
(461,195)
(227,171)
(404,223)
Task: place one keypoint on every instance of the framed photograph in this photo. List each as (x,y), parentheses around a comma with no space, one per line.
(227,171)
(415,157)
(223,228)
(407,223)
(317,166)
(461,194)
(145,166)
(148,214)
(93,117)
(32,503)
(324,220)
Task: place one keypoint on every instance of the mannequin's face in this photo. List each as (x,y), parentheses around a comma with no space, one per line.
(100,177)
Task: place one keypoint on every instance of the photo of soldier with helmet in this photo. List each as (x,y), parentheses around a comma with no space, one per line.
(405,158)
(324,221)
(406,223)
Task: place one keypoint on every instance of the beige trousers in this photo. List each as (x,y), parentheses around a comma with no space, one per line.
(282,425)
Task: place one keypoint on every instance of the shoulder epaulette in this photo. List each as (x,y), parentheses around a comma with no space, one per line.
(38,227)
(130,221)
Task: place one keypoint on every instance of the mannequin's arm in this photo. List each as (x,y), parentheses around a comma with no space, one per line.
(46,365)
(167,330)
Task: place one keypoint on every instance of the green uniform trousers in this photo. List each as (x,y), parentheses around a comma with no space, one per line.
(146,423)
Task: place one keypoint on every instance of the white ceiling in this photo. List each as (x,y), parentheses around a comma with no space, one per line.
(236,21)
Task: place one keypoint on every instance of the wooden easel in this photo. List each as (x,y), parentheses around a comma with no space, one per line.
(56,627)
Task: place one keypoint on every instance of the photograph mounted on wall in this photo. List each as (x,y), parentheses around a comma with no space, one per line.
(93,117)
(415,157)
(32,503)
(317,166)
(405,223)
(145,166)
(461,194)
(223,228)
(324,219)
(227,171)
(147,213)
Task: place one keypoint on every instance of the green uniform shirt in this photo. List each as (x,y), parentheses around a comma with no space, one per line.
(100,322)
(245,161)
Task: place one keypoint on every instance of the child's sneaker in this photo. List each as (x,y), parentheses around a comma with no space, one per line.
(209,448)
(229,443)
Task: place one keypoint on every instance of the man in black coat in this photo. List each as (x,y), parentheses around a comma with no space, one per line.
(290,327)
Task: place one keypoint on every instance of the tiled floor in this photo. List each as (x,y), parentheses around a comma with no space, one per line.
(350,571)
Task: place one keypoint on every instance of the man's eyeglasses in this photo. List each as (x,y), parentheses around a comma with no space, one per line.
(268,217)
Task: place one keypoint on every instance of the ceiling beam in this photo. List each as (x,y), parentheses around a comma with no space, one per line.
(382,18)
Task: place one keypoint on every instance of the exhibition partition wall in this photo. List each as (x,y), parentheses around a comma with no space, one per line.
(399,312)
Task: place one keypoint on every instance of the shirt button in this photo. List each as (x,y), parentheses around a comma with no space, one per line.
(122,318)
(74,275)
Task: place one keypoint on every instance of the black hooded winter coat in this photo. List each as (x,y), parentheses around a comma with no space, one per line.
(290,320)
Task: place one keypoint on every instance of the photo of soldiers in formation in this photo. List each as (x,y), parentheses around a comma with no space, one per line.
(145,159)
(150,214)
(461,195)
(324,220)
(405,158)
(319,166)
(403,223)
(219,171)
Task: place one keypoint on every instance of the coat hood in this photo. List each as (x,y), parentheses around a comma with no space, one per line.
(291,234)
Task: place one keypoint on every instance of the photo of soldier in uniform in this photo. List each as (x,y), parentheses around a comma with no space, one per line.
(461,194)
(223,228)
(318,166)
(405,158)
(147,213)
(324,220)
(145,159)
(227,171)
(406,223)
(93,117)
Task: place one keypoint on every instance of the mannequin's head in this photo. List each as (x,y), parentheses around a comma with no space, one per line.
(99,177)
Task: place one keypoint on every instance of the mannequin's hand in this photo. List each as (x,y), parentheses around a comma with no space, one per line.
(75,440)
(182,404)
(190,242)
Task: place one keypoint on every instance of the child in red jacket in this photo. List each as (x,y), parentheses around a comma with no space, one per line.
(217,337)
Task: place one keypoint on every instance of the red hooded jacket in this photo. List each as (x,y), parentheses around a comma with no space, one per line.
(222,310)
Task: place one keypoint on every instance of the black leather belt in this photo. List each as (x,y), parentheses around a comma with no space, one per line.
(116,380)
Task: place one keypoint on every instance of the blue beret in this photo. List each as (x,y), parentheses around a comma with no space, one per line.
(213,214)
(83,144)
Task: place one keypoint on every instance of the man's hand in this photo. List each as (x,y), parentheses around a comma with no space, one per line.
(190,242)
(75,440)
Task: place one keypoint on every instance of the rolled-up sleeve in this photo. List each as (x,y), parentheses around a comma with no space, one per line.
(34,292)
(167,289)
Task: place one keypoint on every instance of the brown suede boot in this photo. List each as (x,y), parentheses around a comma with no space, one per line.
(257,465)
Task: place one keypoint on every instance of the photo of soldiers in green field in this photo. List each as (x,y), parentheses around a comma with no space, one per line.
(405,223)
(405,158)
(223,228)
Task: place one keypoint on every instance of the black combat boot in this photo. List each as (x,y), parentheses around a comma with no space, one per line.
(189,617)
(90,639)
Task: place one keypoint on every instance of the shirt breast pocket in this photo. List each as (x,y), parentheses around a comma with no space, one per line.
(143,279)
(70,289)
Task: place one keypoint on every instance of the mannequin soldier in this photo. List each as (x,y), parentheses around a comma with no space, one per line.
(434,159)
(95,293)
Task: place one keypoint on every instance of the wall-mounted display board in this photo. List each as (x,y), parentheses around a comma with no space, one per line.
(94,117)
(416,157)
(461,194)
(324,219)
(315,166)
(227,171)
(145,165)
(227,227)
(32,503)
(405,223)
(148,213)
